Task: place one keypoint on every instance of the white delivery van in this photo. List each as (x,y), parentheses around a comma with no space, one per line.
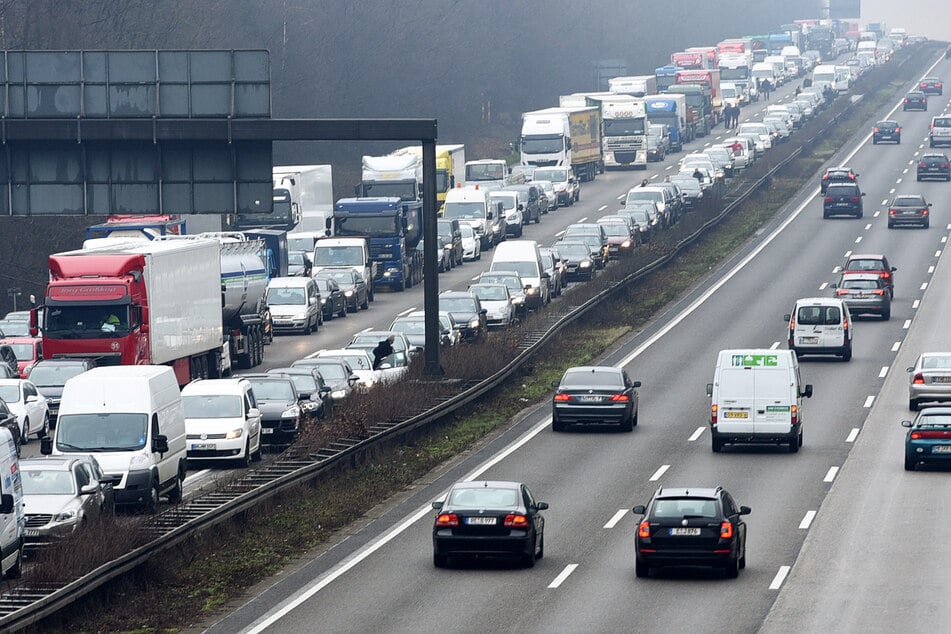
(763,71)
(131,418)
(473,206)
(820,325)
(523,257)
(12,520)
(756,397)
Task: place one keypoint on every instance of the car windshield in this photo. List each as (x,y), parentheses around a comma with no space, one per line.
(286,297)
(305,383)
(524,269)
(47,482)
(341,277)
(50,375)
(495,293)
(332,371)
(101,432)
(212,406)
(615,229)
(10,393)
(640,216)
(510,281)
(466,230)
(457,304)
(295,257)
(689,184)
(653,196)
(685,507)
(15,328)
(484,498)
(338,256)
(553,175)
(589,377)
(273,390)
(818,315)
(508,201)
(574,249)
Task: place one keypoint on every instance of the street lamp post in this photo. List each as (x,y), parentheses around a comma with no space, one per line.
(14,292)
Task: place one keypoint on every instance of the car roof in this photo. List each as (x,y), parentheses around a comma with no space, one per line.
(937,155)
(679,492)
(216,386)
(606,369)
(860,276)
(816,301)
(51,463)
(946,411)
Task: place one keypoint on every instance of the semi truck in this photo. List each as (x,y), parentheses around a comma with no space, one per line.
(486,171)
(736,69)
(711,55)
(623,121)
(392,228)
(393,175)
(563,137)
(275,250)
(671,109)
(450,167)
(709,80)
(137,227)
(666,76)
(690,60)
(634,85)
(193,304)
(311,188)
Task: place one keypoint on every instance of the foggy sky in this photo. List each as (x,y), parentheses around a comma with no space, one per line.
(919,17)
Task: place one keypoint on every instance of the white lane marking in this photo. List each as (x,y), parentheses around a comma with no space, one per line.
(777,581)
(836,269)
(602,207)
(885,201)
(937,253)
(774,346)
(409,310)
(660,472)
(876,214)
(823,286)
(847,254)
(617,517)
(719,138)
(476,278)
(622,197)
(830,474)
(669,167)
(931,269)
(585,219)
(695,435)
(891,191)
(852,435)
(654,176)
(559,234)
(570,568)
(859,239)
(906,325)
(868,401)
(919,147)
(868,226)
(911,162)
(898,182)
(915,304)
(367,329)
(904,171)
(195,475)
(896,346)
(807,520)
(883,372)
(924,285)
(944,239)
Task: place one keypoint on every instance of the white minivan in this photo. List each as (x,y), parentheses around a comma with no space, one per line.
(131,418)
(820,325)
(12,519)
(295,304)
(756,397)
(523,257)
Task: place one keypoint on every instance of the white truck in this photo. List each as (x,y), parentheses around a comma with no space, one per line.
(486,171)
(352,252)
(623,125)
(394,175)
(314,195)
(563,137)
(634,85)
(736,69)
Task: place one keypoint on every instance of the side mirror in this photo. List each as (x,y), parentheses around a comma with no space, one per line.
(160,444)
(438,505)
(640,509)
(353,379)
(32,398)
(745,510)
(787,317)
(6,504)
(906,423)
(89,489)
(635,383)
(709,389)
(521,207)
(555,384)
(833,286)
(46,446)
(808,391)
(489,215)
(254,412)
(912,369)
(541,506)
(863,193)
(893,269)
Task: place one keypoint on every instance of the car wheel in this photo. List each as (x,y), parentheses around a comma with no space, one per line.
(860,214)
(528,561)
(14,571)
(538,218)
(366,303)
(743,558)
(847,355)
(874,141)
(732,570)
(887,314)
(910,464)
(717,442)
(440,561)
(151,503)
(918,179)
(44,432)
(926,225)
(913,404)
(541,547)
(245,461)
(793,445)
(627,424)
(634,420)
(557,426)
(519,233)
(891,225)
(343,310)
(25,432)
(641,569)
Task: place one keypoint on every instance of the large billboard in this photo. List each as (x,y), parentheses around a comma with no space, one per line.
(845,9)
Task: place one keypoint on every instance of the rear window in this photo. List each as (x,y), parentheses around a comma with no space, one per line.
(865,285)
(682,507)
(843,190)
(865,265)
(587,377)
(819,315)
(942,122)
(908,201)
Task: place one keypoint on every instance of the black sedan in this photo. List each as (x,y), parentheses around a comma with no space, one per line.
(595,395)
(886,131)
(466,309)
(915,100)
(691,527)
(332,300)
(280,405)
(934,166)
(579,260)
(354,287)
(488,519)
(931,86)
(909,209)
(837,175)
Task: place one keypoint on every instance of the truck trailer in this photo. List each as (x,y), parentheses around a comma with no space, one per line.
(311,188)
(671,109)
(563,137)
(450,167)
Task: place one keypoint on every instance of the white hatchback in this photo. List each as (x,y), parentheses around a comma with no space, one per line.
(222,421)
(29,406)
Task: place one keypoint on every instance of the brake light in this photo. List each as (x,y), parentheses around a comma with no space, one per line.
(841,291)
(855,199)
(919,379)
(944,166)
(726,530)
(875,130)
(878,291)
(938,85)
(447,520)
(886,274)
(924,85)
(897,130)
(562,398)
(924,212)
(794,411)
(644,530)
(829,199)
(906,99)
(713,413)
(892,212)
(620,398)
(922,164)
(515,520)
(825,177)
(936,434)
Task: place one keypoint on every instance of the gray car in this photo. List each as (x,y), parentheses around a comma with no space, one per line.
(336,374)
(355,291)
(910,209)
(864,294)
(929,380)
(414,329)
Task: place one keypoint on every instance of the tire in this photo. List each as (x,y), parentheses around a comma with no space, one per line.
(860,214)
(245,461)
(795,443)
(716,443)
(541,548)
(44,432)
(343,310)
(887,314)
(528,561)
(518,234)
(634,420)
(25,432)
(926,225)
(557,426)
(913,404)
(150,505)
(732,569)
(177,493)
(874,141)
(847,355)
(743,558)
(891,225)
(641,569)
(366,302)
(627,425)
(538,218)
(909,464)
(16,569)
(440,561)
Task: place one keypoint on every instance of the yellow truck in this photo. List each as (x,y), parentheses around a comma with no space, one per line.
(450,167)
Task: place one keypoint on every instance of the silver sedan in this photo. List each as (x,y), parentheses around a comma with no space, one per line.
(930,379)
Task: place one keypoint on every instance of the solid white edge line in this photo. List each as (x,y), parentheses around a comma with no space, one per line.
(852,435)
(557,581)
(696,434)
(617,517)
(869,400)
(883,372)
(777,581)
(830,474)
(807,520)
(660,472)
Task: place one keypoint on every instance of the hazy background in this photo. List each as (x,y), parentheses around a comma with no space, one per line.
(921,17)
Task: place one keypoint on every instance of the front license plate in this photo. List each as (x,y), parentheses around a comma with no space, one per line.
(202,446)
(941,449)
(805,340)
(685,532)
(31,532)
(267,430)
(480,521)
(736,415)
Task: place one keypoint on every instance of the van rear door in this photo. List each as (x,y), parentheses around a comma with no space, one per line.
(773,401)
(735,400)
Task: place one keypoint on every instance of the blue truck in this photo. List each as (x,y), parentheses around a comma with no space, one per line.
(672,110)
(393,228)
(666,77)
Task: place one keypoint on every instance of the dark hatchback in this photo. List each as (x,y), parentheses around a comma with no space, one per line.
(837,175)
(332,300)
(842,199)
(691,527)
(928,439)
(579,260)
(489,519)
(910,209)
(934,166)
(280,406)
(915,100)
(595,395)
(864,294)
(931,86)
(468,313)
(886,131)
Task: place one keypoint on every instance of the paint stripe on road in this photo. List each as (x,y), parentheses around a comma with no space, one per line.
(852,435)
(696,434)
(870,398)
(777,581)
(915,304)
(883,372)
(830,474)
(807,520)
(906,325)
(896,346)
(823,286)
(616,518)
(602,207)
(195,475)
(660,472)
(564,574)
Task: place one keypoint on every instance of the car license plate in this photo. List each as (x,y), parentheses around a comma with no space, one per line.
(842,204)
(202,446)
(480,521)
(860,296)
(685,532)
(941,379)
(941,449)
(267,430)
(736,415)
(31,532)
(805,340)
(588,398)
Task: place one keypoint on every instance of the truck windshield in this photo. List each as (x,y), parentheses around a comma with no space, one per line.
(280,216)
(213,406)
(553,175)
(101,432)
(338,256)
(485,172)
(464,210)
(623,127)
(86,322)
(373,225)
(542,144)
(442,180)
(397,189)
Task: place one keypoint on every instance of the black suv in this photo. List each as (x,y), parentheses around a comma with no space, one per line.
(842,199)
(886,131)
(931,86)
(934,166)
(691,527)
(837,175)
(529,197)
(915,100)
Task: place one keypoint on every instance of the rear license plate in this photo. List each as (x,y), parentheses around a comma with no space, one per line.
(267,430)
(589,399)
(201,446)
(941,379)
(736,415)
(480,521)
(685,532)
(842,204)
(31,532)
(808,339)
(941,449)
(860,296)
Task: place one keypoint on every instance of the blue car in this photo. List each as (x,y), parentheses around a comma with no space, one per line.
(929,438)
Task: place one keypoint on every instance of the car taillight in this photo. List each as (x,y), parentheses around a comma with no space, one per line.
(794,413)
(922,164)
(892,212)
(855,199)
(897,129)
(885,275)
(515,520)
(924,85)
(713,413)
(620,398)
(906,99)
(825,177)
(938,85)
(944,166)
(878,291)
(919,379)
(562,398)
(447,519)
(841,291)
(644,530)
(829,199)
(924,212)
(875,130)
(726,530)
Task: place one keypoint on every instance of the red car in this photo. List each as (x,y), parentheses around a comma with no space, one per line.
(875,264)
(28,350)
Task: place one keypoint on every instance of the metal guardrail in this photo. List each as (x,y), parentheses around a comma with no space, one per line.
(27,605)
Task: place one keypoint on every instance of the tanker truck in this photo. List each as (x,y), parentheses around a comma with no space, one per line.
(195,304)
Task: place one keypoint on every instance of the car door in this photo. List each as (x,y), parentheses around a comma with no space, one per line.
(34,406)
(538,518)
(254,422)
(92,502)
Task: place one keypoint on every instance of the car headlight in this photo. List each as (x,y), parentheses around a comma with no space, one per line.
(474,322)
(585,264)
(323,300)
(626,244)
(520,299)
(234,433)
(291,412)
(338,394)
(300,317)
(531,291)
(66,516)
(348,293)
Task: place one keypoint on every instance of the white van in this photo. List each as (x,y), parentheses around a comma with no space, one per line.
(756,397)
(473,206)
(131,417)
(820,325)
(762,71)
(294,304)
(12,519)
(523,257)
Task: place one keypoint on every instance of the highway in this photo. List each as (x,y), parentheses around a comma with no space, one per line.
(812,511)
